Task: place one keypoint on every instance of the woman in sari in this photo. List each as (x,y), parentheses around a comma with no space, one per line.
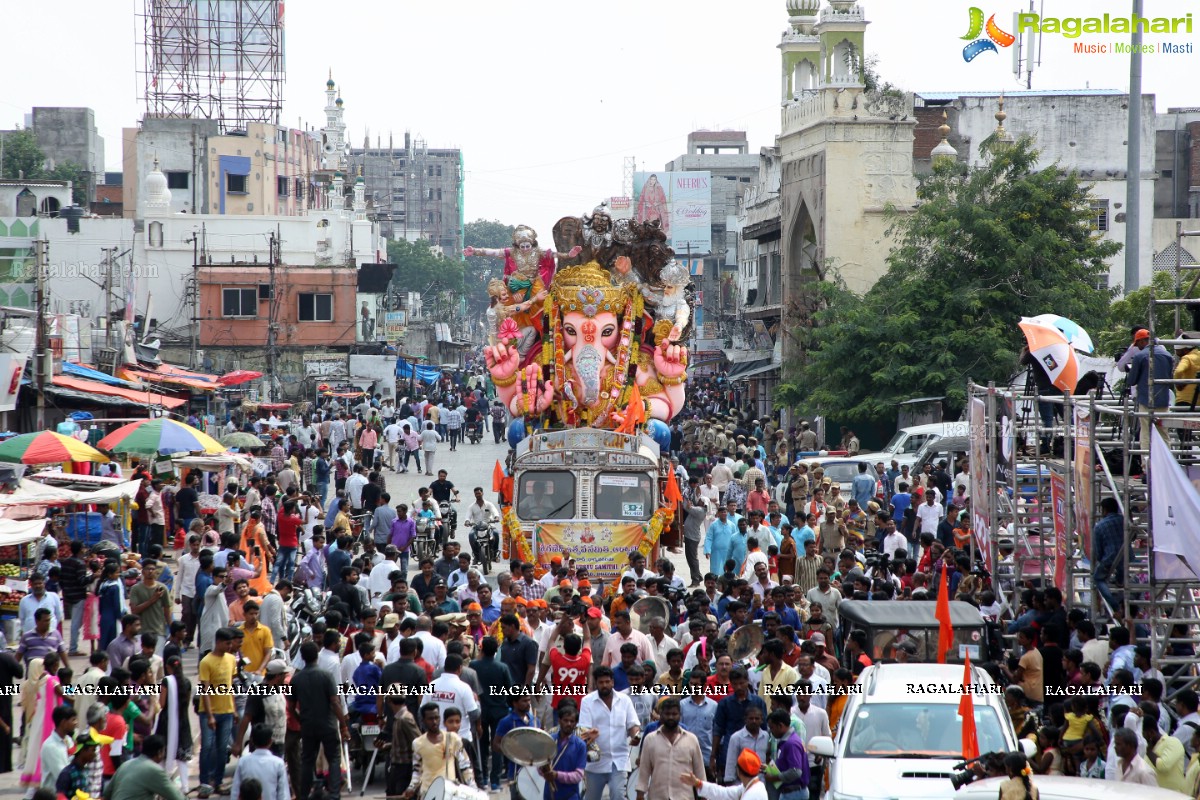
(40,695)
(111,592)
(174,724)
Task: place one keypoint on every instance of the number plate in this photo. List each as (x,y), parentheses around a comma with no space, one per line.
(370,730)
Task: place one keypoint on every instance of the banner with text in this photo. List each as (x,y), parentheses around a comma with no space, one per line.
(1085,462)
(602,547)
(980,480)
(681,202)
(1062,537)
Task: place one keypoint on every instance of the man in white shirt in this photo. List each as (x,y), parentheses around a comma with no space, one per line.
(448,690)
(612,722)
(929,514)
(895,541)
(816,721)
(434,651)
(380,582)
(354,487)
(391,437)
(483,512)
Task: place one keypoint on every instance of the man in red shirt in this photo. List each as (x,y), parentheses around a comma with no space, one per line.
(287,526)
(570,669)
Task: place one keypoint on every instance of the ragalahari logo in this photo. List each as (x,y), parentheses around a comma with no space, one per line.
(995,36)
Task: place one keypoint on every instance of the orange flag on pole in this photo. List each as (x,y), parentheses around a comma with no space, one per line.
(966,710)
(635,412)
(497,477)
(945,627)
(671,493)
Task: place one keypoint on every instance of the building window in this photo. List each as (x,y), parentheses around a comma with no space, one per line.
(235,184)
(431,172)
(178,179)
(316,307)
(439,170)
(156,234)
(439,194)
(239,302)
(299,188)
(1100,216)
(281,186)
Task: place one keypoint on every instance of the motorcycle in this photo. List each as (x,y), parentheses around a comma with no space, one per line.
(425,543)
(475,432)
(483,544)
(364,728)
(449,520)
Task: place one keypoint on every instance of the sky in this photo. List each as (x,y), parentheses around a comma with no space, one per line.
(547,98)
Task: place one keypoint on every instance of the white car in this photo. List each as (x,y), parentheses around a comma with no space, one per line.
(904,445)
(901,737)
(1062,787)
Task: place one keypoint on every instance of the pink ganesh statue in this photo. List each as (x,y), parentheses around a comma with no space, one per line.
(597,353)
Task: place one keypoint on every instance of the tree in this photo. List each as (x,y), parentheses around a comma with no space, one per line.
(22,156)
(79,178)
(480,270)
(418,268)
(1133,311)
(985,246)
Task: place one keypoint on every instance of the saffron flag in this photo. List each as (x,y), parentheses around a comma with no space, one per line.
(635,412)
(966,710)
(497,477)
(671,493)
(945,628)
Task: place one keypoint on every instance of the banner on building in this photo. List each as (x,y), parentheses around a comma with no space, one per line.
(980,480)
(394,323)
(1084,465)
(620,207)
(1062,537)
(326,366)
(1175,515)
(681,202)
(602,547)
(1006,441)
(12,367)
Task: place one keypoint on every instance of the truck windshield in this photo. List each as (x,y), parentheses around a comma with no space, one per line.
(546,495)
(623,495)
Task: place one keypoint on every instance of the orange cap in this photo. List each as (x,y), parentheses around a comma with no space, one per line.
(749,762)
(555,559)
(521,601)
(585,584)
(473,607)
(564,584)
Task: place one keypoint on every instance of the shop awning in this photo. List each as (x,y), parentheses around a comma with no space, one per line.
(92,392)
(745,368)
(89,374)
(15,532)
(173,376)
(758,371)
(34,493)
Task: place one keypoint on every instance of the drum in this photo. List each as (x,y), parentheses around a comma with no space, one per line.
(530,784)
(631,784)
(529,747)
(442,789)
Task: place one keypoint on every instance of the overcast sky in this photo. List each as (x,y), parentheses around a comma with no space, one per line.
(547,98)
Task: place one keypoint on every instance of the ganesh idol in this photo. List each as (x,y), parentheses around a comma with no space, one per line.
(524,257)
(595,353)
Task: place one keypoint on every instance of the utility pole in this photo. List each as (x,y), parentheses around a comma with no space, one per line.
(195,292)
(41,251)
(1133,163)
(272,306)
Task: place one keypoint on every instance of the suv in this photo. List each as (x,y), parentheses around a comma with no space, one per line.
(951,448)
(900,736)
(904,445)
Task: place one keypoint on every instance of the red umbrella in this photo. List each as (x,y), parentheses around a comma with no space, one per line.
(238,376)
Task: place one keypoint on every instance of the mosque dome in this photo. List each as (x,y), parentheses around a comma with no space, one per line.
(158,196)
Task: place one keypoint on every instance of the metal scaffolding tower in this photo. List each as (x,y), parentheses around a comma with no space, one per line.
(213,59)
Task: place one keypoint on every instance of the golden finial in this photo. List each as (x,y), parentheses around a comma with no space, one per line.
(944,128)
(1001,133)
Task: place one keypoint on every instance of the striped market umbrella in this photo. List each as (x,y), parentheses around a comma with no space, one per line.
(47,447)
(160,435)
(1073,331)
(1052,351)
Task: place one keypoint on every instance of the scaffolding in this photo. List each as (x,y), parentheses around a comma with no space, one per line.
(213,59)
(1070,453)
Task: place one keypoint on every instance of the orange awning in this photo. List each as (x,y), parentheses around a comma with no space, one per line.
(144,398)
(170,375)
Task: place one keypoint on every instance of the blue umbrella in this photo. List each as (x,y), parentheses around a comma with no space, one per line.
(1073,331)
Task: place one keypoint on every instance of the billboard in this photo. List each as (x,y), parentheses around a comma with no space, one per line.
(681,202)
(620,207)
(980,480)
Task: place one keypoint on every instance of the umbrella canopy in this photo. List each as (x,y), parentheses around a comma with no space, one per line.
(1073,331)
(160,435)
(1053,352)
(242,439)
(238,376)
(47,447)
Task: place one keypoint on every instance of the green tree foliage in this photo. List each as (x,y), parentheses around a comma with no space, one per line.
(23,156)
(1133,311)
(418,269)
(483,233)
(984,247)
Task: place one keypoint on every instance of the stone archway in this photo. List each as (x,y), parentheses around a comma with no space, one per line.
(27,203)
(803,247)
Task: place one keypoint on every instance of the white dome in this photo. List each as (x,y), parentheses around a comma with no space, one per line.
(158,196)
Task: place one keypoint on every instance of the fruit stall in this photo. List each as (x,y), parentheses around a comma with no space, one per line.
(18,546)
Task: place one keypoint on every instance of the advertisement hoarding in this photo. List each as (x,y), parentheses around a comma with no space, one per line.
(1062,545)
(980,478)
(681,202)
(1084,462)
(602,547)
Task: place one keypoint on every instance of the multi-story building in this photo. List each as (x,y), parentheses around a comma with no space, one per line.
(69,135)
(415,192)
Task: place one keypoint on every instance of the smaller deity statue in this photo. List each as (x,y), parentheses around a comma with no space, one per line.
(520,300)
(524,257)
(668,303)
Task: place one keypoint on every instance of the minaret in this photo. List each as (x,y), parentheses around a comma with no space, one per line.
(945,151)
(360,197)
(337,192)
(842,31)
(1002,136)
(334,133)
(800,49)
